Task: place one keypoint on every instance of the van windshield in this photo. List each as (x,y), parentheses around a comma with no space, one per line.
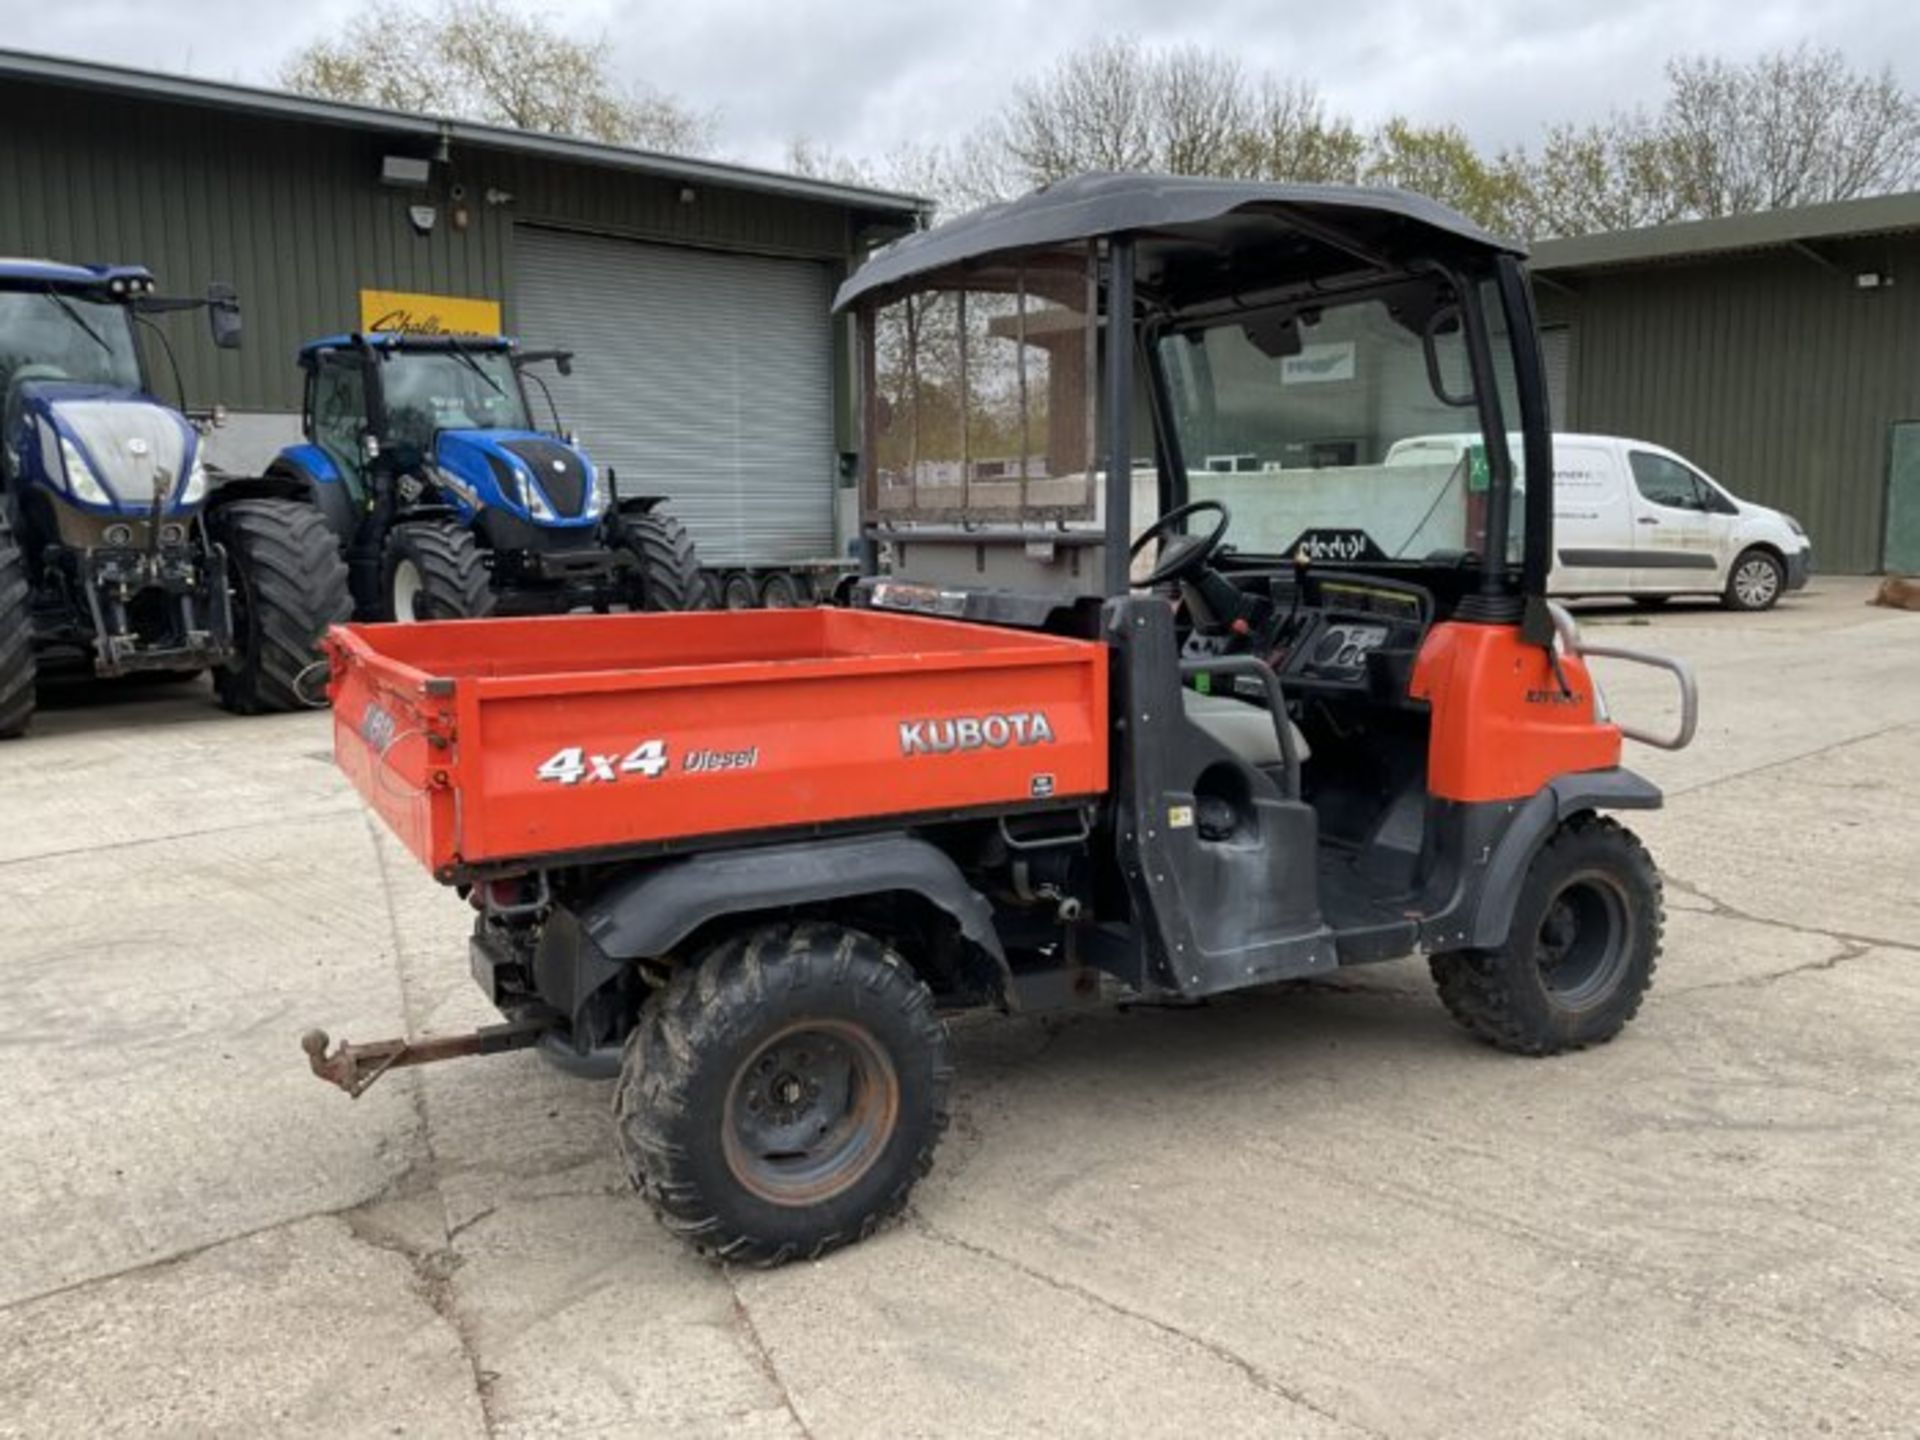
(1342,429)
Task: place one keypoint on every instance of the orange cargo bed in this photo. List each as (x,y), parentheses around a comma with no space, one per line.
(485,743)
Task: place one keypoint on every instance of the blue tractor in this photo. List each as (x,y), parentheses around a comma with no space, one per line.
(121,549)
(449,503)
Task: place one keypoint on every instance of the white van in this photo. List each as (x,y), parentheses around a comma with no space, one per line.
(1635,519)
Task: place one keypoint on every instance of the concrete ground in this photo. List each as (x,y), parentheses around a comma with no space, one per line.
(1321,1211)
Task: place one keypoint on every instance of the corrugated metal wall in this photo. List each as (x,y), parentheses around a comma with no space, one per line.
(1776,373)
(295,216)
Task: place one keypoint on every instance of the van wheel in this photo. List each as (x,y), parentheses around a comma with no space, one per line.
(1580,952)
(782,1095)
(1755,582)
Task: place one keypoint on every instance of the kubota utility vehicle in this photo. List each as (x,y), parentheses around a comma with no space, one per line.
(121,550)
(745,861)
(422,453)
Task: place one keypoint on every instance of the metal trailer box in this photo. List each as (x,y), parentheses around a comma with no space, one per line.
(488,745)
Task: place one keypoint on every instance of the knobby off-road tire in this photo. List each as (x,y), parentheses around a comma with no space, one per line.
(1581,951)
(434,570)
(782,1095)
(16,638)
(666,571)
(288,584)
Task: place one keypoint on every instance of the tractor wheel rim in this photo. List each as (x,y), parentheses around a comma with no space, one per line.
(809,1112)
(1585,940)
(407,586)
(1755,582)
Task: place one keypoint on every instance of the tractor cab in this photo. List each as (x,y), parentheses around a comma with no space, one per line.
(120,551)
(425,453)
(82,437)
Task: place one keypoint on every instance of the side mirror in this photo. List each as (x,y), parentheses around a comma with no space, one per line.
(564,364)
(223,315)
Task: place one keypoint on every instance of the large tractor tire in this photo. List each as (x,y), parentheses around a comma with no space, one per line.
(434,570)
(16,638)
(288,585)
(1580,952)
(666,572)
(782,1095)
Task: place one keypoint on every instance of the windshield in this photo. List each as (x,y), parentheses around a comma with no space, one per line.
(426,391)
(1341,427)
(49,336)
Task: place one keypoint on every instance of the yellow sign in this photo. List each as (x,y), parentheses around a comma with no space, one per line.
(396,311)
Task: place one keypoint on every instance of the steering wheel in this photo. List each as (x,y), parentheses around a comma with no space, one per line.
(1186,555)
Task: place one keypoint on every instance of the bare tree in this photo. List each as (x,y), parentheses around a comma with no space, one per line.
(1793,128)
(1796,127)
(485,60)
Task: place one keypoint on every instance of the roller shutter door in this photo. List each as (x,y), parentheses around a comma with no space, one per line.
(1556,351)
(704,377)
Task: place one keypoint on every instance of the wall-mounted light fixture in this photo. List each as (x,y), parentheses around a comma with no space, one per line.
(405,170)
(1872,280)
(688,195)
(422,218)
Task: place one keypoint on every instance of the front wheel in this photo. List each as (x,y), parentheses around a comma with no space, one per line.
(288,584)
(1580,951)
(1756,581)
(782,1095)
(433,570)
(664,573)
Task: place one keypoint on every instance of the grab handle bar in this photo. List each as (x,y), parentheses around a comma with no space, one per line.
(1568,631)
(1276,703)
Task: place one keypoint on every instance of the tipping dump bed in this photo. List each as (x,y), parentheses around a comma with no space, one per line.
(487,742)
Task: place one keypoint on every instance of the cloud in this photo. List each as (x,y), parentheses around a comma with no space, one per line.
(862,77)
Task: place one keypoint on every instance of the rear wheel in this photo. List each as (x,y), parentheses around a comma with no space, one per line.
(737,592)
(433,570)
(1755,582)
(288,584)
(666,572)
(1579,955)
(16,638)
(782,1095)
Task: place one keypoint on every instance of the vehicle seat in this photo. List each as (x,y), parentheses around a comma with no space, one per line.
(1242,726)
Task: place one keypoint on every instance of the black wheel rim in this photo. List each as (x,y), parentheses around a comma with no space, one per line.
(1585,940)
(810,1111)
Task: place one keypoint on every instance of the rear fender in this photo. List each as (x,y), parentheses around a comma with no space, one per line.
(1559,801)
(652,913)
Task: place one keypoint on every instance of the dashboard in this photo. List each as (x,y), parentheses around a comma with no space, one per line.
(1328,635)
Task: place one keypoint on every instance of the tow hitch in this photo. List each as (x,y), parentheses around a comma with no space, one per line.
(355,1067)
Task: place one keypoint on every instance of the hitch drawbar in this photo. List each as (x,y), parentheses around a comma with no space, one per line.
(355,1067)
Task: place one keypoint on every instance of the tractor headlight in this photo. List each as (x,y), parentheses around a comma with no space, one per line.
(80,477)
(530,496)
(597,495)
(195,490)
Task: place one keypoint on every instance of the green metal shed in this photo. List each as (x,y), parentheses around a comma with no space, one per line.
(1780,351)
(656,268)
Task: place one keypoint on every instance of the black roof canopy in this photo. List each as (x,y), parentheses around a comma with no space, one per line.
(1197,239)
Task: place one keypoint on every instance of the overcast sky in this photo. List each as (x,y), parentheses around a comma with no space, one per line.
(859,77)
